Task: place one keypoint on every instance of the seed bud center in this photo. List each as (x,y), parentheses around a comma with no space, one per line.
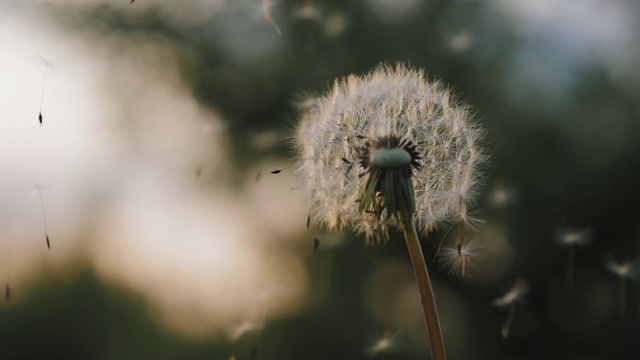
(389,158)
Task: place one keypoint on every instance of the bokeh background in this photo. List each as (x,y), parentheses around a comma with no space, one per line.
(170,239)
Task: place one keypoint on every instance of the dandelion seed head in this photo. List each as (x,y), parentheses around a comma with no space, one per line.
(396,103)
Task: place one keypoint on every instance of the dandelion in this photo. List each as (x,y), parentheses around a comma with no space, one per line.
(623,270)
(396,126)
(509,300)
(416,150)
(458,258)
(572,238)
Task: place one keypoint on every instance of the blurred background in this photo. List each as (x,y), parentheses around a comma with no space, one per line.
(149,174)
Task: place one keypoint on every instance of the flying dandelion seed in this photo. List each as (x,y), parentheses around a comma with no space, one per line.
(47,65)
(7,290)
(267,6)
(44,217)
(623,270)
(510,300)
(247,327)
(335,24)
(278,171)
(458,258)
(383,345)
(572,238)
(307,11)
(501,195)
(418,152)
(460,42)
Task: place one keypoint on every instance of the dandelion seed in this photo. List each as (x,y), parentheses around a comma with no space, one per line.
(308,11)
(47,65)
(460,42)
(575,237)
(7,291)
(278,171)
(515,294)
(458,259)
(246,327)
(623,270)
(572,238)
(382,346)
(267,5)
(501,195)
(335,24)
(44,217)
(316,244)
(510,300)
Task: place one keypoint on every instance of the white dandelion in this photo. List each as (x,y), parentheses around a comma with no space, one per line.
(393,115)
(390,149)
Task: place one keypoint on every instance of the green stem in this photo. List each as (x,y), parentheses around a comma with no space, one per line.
(426,294)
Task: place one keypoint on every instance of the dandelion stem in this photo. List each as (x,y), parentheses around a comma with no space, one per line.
(426,294)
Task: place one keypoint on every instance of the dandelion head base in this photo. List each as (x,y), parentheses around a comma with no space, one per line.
(388,191)
(389,152)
